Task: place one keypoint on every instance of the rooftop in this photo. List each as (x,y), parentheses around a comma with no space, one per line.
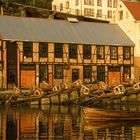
(134,8)
(61,31)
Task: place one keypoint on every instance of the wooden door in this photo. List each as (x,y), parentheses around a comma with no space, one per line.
(114,78)
(27,78)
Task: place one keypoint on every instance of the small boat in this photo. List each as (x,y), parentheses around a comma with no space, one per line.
(106,115)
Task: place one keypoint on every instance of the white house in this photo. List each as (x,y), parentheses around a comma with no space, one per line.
(127,16)
(102,9)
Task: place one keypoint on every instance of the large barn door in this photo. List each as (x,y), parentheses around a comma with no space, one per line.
(27,76)
(114,75)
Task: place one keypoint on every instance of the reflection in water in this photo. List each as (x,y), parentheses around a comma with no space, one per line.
(61,123)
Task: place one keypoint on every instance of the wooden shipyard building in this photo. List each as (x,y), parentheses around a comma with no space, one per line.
(33,50)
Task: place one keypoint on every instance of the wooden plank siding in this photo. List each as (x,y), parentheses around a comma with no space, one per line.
(26,78)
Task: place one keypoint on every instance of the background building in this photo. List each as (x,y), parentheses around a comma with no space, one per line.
(102,9)
(127,16)
(56,51)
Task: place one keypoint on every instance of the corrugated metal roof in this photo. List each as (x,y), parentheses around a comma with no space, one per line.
(61,31)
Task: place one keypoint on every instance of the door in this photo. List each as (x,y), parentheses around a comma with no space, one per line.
(75,74)
(27,76)
(114,76)
(11,64)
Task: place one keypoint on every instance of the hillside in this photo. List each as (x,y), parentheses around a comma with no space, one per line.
(18,8)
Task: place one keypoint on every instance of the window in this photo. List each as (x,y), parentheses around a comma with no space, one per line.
(88,11)
(99,13)
(126,53)
(109,3)
(67,5)
(101,73)
(61,7)
(109,14)
(89,2)
(58,50)
(73,51)
(76,2)
(127,73)
(43,49)
(99,2)
(54,7)
(115,3)
(120,15)
(86,51)
(87,72)
(100,52)
(113,52)
(43,73)
(127,15)
(77,12)
(75,74)
(113,68)
(58,71)
(27,49)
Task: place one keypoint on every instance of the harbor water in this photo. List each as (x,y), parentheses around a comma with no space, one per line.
(54,122)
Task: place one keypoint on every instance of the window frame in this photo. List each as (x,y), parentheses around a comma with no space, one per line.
(88,11)
(43,49)
(67,4)
(58,71)
(28,49)
(89,2)
(99,12)
(87,70)
(61,7)
(86,51)
(126,53)
(120,15)
(115,3)
(109,13)
(43,72)
(100,52)
(113,53)
(73,51)
(101,73)
(58,50)
(75,74)
(109,3)
(76,2)
(99,2)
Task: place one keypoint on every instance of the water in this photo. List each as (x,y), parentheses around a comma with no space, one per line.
(62,123)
